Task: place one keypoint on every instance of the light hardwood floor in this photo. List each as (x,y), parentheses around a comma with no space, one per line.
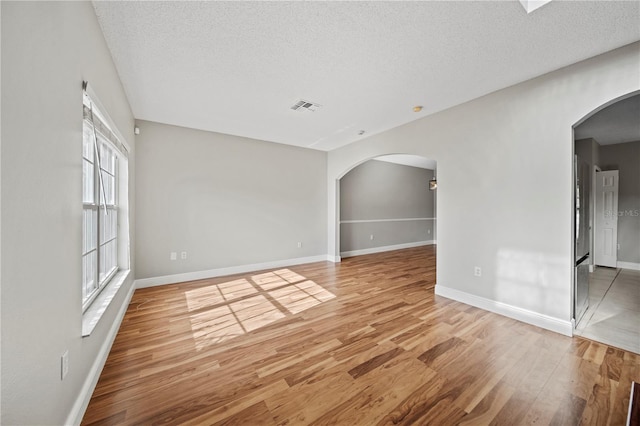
(358,343)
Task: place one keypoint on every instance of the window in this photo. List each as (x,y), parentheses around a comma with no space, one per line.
(101,150)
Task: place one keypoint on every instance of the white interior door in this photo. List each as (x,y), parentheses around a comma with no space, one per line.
(606,235)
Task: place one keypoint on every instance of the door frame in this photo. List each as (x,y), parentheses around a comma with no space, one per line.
(592,228)
(616,177)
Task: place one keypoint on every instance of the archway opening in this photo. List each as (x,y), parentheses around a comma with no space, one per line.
(606,223)
(386,203)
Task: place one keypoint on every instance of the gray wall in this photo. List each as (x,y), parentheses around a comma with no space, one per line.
(48,49)
(225,200)
(588,150)
(504,183)
(380,190)
(625,157)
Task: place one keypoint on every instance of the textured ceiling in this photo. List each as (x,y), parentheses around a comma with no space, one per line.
(238,67)
(617,123)
(409,160)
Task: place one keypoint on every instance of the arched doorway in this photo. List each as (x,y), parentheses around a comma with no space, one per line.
(387,203)
(337,170)
(606,164)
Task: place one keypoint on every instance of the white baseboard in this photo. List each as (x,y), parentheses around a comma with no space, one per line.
(628,265)
(524,315)
(334,259)
(232,270)
(386,248)
(82,402)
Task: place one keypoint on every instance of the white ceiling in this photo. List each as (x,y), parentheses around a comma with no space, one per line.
(409,160)
(238,67)
(617,123)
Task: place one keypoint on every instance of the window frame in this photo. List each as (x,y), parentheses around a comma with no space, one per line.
(99,204)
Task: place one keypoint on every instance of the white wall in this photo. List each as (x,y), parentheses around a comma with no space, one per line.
(48,49)
(225,200)
(505,184)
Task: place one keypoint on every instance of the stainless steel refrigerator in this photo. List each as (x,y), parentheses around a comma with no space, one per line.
(582,238)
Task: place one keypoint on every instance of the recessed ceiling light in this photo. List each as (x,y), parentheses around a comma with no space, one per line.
(361,132)
(417,108)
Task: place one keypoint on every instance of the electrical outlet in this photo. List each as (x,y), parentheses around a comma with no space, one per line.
(183,255)
(173,255)
(618,246)
(429,231)
(477,271)
(64,365)
(299,244)
(371,237)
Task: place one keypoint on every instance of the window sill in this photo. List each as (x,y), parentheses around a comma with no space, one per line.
(92,315)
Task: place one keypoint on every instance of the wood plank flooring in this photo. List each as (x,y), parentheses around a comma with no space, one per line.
(362,342)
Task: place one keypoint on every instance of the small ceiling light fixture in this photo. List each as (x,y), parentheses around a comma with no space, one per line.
(361,132)
(417,108)
(433,184)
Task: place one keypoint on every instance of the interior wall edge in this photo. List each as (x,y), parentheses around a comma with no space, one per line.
(382,249)
(232,270)
(556,325)
(628,265)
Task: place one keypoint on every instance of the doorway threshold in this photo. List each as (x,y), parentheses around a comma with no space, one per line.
(614,309)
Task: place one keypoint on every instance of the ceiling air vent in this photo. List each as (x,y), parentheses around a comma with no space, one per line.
(303,105)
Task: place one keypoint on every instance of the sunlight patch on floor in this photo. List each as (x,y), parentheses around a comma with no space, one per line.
(300,297)
(227,311)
